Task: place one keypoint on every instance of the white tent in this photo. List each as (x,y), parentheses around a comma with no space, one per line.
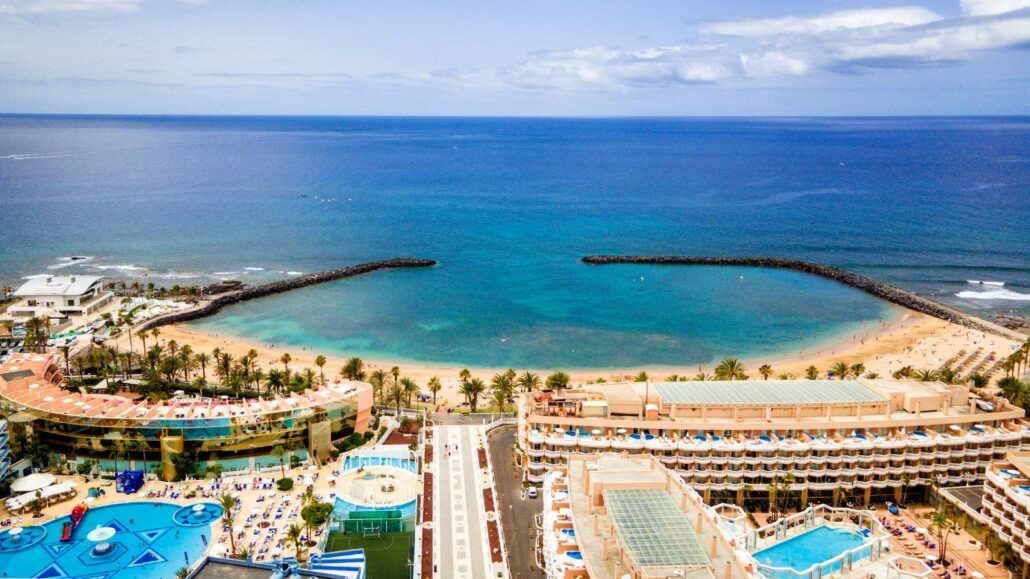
(19,502)
(32,482)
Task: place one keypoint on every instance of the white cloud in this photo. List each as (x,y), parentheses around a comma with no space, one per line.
(957,42)
(990,7)
(57,6)
(826,23)
(773,64)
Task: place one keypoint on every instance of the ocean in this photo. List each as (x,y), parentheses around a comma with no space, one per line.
(507,207)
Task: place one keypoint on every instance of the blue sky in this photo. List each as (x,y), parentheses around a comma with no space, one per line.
(554,57)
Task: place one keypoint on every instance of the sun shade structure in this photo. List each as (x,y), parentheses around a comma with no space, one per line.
(653,529)
(765,392)
(32,482)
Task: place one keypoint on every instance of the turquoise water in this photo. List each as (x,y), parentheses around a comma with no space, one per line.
(810,548)
(353,462)
(508,206)
(148,544)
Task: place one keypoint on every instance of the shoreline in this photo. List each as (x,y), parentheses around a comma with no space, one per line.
(914,339)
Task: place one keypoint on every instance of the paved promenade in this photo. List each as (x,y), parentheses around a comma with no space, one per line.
(459,514)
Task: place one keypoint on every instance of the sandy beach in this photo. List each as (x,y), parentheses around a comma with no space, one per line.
(913,339)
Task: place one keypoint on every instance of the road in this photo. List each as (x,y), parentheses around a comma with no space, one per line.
(461,547)
(516,513)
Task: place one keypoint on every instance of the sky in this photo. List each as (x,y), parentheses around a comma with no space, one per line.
(522,58)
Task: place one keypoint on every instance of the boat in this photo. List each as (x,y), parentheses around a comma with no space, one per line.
(76,517)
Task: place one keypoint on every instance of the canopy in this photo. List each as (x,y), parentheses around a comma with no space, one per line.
(32,482)
(21,500)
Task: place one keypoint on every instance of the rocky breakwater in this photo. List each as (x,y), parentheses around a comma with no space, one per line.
(881,290)
(210,307)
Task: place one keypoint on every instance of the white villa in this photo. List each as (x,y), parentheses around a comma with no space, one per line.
(58,297)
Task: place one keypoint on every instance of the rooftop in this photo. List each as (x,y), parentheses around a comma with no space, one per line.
(653,529)
(57,285)
(765,392)
(23,380)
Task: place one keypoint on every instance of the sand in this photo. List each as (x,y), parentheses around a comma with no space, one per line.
(913,339)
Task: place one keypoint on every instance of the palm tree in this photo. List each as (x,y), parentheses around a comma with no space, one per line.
(472,390)
(228,503)
(926,375)
(285,359)
(279,453)
(377,380)
(182,573)
(529,382)
(942,526)
(354,369)
(320,362)
(410,388)
(872,375)
(464,375)
(499,398)
(842,370)
(702,377)
(765,370)
(276,380)
(978,380)
(903,372)
(293,533)
(434,387)
(397,395)
(730,369)
(812,373)
(641,377)
(202,360)
(309,378)
(558,380)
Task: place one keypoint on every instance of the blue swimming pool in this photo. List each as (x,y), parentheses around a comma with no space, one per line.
(352,462)
(810,548)
(148,543)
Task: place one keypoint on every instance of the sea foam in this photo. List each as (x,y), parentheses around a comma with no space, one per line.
(999,294)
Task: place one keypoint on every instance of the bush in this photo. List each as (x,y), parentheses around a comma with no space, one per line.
(285,484)
(216,470)
(294,461)
(85,467)
(335,454)
(356,439)
(369,435)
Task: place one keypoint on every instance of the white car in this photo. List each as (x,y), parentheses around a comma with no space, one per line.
(531,492)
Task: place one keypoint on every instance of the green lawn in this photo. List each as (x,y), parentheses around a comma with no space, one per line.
(386,556)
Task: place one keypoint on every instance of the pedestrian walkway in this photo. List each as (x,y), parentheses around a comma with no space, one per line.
(459,516)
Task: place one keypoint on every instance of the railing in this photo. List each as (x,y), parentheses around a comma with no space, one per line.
(807,520)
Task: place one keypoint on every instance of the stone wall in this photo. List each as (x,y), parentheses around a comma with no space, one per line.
(211,307)
(881,290)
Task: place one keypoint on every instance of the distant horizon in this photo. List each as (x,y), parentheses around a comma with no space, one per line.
(513,116)
(776,58)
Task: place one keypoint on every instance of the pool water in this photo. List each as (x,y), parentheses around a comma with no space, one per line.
(148,543)
(808,549)
(352,462)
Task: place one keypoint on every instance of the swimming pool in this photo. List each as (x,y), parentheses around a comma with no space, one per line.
(352,462)
(808,549)
(148,543)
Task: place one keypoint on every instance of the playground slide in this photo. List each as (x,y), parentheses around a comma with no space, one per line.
(66,533)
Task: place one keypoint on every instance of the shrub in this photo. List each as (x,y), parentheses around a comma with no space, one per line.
(285,484)
(85,467)
(294,461)
(369,435)
(216,470)
(334,453)
(356,439)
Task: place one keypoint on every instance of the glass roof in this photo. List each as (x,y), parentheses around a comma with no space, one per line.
(766,392)
(653,529)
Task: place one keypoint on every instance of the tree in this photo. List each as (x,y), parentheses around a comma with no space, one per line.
(320,362)
(354,369)
(925,375)
(812,373)
(434,387)
(182,573)
(765,370)
(472,390)
(377,380)
(842,370)
(37,505)
(529,382)
(280,454)
(942,527)
(314,515)
(500,398)
(294,533)
(641,377)
(285,359)
(978,380)
(202,360)
(397,395)
(558,380)
(228,504)
(410,388)
(903,372)
(730,369)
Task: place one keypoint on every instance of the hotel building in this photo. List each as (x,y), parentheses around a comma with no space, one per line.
(854,441)
(238,434)
(1006,504)
(59,297)
(608,516)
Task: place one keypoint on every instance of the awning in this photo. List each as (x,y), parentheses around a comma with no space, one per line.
(32,482)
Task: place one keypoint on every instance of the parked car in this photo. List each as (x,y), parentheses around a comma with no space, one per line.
(531,492)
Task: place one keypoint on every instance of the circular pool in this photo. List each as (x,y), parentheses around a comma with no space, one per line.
(198,514)
(18,538)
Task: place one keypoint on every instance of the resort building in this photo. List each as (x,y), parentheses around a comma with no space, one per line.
(819,441)
(59,297)
(1006,504)
(608,516)
(120,432)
